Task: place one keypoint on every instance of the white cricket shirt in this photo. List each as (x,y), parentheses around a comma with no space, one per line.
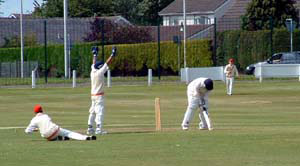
(44,124)
(197,88)
(97,79)
(231,70)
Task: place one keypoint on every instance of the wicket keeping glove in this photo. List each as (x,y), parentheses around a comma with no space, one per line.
(95,51)
(114,52)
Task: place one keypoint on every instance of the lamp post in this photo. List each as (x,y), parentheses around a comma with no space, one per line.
(179,47)
(66,38)
(290,26)
(184,33)
(22,42)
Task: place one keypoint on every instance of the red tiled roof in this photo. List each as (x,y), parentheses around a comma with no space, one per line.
(192,6)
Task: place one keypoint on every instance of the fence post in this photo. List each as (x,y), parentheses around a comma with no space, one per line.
(215,43)
(74,78)
(149,77)
(158,51)
(223,74)
(187,75)
(299,73)
(261,73)
(33,81)
(45,51)
(108,79)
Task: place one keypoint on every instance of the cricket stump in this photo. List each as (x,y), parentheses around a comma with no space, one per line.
(157,115)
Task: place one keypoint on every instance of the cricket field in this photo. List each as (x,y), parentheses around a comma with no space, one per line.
(257,126)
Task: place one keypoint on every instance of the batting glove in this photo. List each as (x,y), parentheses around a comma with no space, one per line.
(95,51)
(114,52)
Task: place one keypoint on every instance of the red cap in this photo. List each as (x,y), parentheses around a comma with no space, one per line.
(231,60)
(38,108)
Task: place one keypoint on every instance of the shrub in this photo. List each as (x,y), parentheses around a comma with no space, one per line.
(132,59)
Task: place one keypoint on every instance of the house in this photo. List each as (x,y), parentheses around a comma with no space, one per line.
(197,11)
(17,16)
(77,27)
(204,11)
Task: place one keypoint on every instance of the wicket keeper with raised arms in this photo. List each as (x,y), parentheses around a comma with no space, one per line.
(50,130)
(230,71)
(197,93)
(97,92)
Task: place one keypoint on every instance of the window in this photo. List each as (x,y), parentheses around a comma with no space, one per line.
(276,58)
(175,20)
(202,20)
(166,21)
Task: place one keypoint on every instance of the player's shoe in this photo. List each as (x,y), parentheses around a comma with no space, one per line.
(90,131)
(66,138)
(100,131)
(205,128)
(184,127)
(89,138)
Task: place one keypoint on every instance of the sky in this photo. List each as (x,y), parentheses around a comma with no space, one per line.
(14,6)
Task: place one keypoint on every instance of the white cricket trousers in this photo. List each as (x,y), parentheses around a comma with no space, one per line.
(71,134)
(229,84)
(193,104)
(97,111)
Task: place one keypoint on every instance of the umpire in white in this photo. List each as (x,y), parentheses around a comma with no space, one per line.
(197,93)
(97,92)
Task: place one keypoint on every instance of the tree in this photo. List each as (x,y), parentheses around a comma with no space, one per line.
(1,1)
(259,13)
(149,10)
(77,8)
(143,12)
(128,9)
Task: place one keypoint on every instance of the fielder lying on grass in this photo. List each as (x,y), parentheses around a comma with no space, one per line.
(50,130)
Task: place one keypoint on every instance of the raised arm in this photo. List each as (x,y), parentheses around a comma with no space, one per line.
(95,54)
(113,54)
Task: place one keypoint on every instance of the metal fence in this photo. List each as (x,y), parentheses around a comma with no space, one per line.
(43,36)
(44,49)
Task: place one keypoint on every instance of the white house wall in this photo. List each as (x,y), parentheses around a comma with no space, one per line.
(190,20)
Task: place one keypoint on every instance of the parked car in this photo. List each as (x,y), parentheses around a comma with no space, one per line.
(278,58)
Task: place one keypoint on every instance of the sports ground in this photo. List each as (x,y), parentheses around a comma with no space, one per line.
(257,126)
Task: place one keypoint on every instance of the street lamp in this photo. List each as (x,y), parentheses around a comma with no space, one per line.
(291,25)
(22,42)
(66,38)
(181,27)
(184,33)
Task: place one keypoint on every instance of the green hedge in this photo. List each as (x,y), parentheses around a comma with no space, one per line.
(248,47)
(132,59)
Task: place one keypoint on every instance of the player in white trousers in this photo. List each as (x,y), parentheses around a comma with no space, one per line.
(50,130)
(98,69)
(197,93)
(230,71)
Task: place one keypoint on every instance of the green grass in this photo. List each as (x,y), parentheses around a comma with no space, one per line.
(257,126)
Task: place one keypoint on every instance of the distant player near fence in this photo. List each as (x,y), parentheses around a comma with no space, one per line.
(51,131)
(197,93)
(98,69)
(230,71)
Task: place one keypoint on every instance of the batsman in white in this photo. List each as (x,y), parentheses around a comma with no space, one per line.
(230,71)
(97,92)
(50,130)
(197,93)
